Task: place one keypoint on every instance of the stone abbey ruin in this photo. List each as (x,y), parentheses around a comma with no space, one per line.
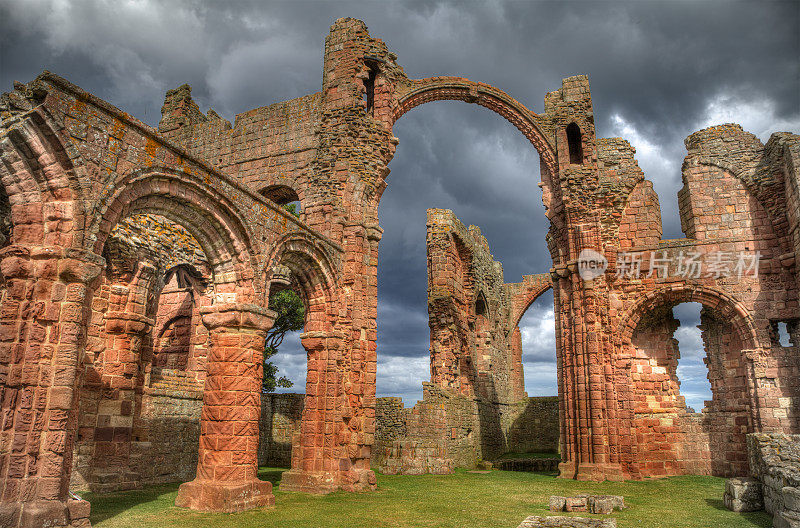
(136,266)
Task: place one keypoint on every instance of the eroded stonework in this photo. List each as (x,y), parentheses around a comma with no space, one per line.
(82,326)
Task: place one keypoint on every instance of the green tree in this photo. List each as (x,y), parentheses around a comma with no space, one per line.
(292,208)
(291,317)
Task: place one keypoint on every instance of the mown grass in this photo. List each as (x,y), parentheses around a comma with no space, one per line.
(491,500)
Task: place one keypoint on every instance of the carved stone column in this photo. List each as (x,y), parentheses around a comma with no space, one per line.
(43,314)
(228,456)
(315,466)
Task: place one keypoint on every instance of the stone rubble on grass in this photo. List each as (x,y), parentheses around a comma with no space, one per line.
(535,521)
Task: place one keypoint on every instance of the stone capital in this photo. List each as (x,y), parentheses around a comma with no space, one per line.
(321,340)
(31,262)
(236,316)
(281,275)
(127,323)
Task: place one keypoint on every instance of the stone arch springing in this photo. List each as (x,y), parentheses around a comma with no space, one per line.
(522,302)
(522,296)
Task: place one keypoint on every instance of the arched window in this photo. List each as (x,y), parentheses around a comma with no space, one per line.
(480,306)
(369,85)
(280,194)
(284,196)
(575,144)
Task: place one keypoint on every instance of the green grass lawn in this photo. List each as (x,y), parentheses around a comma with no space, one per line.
(497,499)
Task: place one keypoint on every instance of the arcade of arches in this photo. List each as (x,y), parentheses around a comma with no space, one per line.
(136,265)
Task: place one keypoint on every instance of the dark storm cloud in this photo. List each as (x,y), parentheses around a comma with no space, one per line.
(658,71)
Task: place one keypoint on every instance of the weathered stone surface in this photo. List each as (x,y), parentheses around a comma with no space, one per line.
(535,521)
(600,504)
(775,463)
(743,494)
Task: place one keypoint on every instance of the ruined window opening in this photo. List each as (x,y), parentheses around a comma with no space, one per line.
(575,144)
(284,196)
(175,317)
(369,85)
(5,218)
(691,372)
(782,333)
(480,306)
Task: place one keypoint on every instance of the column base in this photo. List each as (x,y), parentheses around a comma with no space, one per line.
(213,496)
(35,514)
(320,483)
(359,480)
(309,482)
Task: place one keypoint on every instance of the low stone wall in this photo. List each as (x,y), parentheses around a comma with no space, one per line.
(162,444)
(532,425)
(280,420)
(536,465)
(469,429)
(441,432)
(775,461)
(407,457)
(168,452)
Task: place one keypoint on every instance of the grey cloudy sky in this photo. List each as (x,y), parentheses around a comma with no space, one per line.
(658,71)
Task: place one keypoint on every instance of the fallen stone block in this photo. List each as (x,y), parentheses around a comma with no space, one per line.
(743,494)
(599,504)
(557,503)
(573,504)
(535,521)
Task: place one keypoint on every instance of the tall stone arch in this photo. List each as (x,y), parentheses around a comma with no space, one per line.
(226,477)
(45,280)
(335,406)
